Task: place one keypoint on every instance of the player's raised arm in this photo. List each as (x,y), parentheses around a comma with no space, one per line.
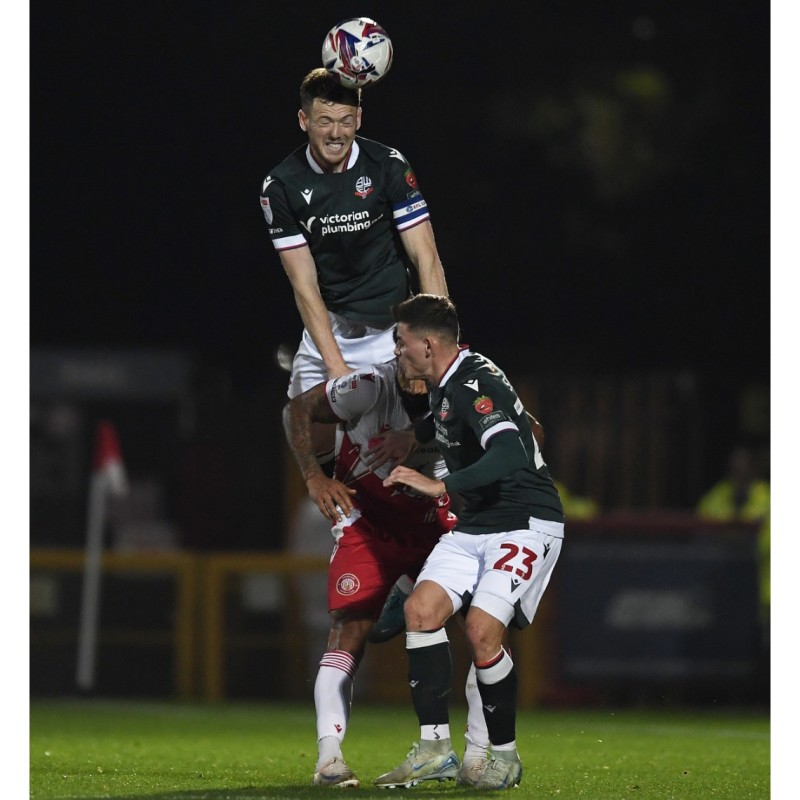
(301,270)
(421,248)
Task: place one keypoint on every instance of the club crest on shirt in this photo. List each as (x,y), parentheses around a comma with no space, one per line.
(445,409)
(363,187)
(483,404)
(348,584)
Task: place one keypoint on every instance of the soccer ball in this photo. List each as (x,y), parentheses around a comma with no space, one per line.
(358,51)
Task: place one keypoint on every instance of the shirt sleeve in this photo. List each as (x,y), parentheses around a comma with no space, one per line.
(506,454)
(408,205)
(351,396)
(284,229)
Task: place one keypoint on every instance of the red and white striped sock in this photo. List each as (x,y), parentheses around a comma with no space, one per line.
(333,697)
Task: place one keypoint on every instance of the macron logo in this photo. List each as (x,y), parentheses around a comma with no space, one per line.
(473,384)
(307,195)
(267,182)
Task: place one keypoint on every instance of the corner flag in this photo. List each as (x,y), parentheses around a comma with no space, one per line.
(108,477)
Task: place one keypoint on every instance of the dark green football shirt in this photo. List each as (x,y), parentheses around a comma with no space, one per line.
(473,404)
(351,220)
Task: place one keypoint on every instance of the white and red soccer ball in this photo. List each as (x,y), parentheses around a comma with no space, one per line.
(358,51)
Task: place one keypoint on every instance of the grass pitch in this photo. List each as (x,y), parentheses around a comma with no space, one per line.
(170,751)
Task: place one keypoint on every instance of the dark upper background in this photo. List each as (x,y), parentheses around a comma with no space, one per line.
(597,174)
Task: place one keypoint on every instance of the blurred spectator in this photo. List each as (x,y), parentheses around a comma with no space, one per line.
(743,495)
(576,507)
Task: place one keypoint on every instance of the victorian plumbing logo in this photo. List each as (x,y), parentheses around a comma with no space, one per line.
(342,223)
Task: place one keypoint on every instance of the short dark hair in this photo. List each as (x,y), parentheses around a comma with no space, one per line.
(319,83)
(429,312)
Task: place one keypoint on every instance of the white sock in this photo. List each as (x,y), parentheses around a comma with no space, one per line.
(434,733)
(328,747)
(477,735)
(333,697)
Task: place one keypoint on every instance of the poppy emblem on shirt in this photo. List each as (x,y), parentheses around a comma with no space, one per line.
(363,187)
(483,404)
(411,179)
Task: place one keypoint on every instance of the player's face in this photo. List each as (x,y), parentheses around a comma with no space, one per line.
(331,129)
(413,387)
(411,351)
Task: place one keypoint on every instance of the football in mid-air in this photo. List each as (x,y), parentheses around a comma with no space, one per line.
(358,51)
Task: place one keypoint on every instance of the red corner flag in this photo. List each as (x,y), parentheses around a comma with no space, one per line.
(108,477)
(108,458)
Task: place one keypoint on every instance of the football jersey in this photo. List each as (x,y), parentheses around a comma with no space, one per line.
(351,221)
(473,402)
(369,403)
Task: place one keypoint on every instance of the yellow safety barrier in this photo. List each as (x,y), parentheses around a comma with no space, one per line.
(181,566)
(218,571)
(205,634)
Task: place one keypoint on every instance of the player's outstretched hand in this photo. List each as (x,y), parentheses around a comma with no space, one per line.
(332,497)
(430,487)
(394,446)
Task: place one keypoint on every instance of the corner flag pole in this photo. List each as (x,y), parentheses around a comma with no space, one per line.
(108,477)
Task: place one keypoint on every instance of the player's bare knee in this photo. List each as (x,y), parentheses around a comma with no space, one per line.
(421,614)
(484,640)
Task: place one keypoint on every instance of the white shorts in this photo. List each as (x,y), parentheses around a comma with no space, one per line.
(504,574)
(361,346)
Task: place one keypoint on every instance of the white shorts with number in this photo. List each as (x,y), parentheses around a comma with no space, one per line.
(504,574)
(361,346)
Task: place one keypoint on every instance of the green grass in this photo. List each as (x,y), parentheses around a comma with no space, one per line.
(170,751)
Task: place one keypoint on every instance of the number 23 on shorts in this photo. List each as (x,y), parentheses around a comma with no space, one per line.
(518,560)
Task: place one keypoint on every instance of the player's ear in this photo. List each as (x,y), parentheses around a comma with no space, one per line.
(358,118)
(302,119)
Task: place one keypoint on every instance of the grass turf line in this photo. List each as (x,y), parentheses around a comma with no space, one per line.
(169,751)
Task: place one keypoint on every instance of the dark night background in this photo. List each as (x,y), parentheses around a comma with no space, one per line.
(597,174)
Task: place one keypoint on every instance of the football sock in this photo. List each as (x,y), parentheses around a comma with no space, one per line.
(328,747)
(497,683)
(434,733)
(333,697)
(430,675)
(476,734)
